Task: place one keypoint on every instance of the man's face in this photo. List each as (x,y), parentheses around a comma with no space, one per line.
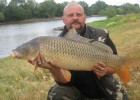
(74,17)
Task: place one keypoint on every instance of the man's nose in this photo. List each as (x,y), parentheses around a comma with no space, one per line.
(75,16)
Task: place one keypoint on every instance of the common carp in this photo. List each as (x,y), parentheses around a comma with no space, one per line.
(73,52)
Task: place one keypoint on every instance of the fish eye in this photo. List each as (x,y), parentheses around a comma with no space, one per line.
(19,47)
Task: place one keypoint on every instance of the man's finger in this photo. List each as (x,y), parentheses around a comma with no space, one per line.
(38,59)
(102,64)
(99,74)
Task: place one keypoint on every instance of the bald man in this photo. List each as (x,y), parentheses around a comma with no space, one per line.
(97,84)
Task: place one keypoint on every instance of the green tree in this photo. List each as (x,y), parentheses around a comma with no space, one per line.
(85,6)
(129,8)
(17,2)
(119,11)
(3,5)
(98,6)
(137,8)
(2,17)
(110,11)
(21,9)
(59,8)
(15,13)
(47,9)
(59,11)
(31,8)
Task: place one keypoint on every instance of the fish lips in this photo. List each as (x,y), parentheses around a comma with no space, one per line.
(15,54)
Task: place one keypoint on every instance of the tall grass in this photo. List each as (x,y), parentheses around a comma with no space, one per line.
(18,80)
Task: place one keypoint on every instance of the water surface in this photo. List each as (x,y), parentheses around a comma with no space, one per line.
(12,35)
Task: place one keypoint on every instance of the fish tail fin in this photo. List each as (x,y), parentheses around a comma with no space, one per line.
(128,64)
(124,74)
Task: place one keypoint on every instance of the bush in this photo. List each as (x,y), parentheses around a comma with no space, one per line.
(2,17)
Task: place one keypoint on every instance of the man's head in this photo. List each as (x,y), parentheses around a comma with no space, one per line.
(74,16)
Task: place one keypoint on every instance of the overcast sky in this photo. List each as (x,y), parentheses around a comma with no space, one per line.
(110,2)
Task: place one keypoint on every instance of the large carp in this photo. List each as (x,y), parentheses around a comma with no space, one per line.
(73,52)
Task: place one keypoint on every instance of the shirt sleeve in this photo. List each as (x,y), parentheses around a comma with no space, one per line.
(110,43)
(71,80)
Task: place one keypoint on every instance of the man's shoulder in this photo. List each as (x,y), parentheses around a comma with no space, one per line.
(97,30)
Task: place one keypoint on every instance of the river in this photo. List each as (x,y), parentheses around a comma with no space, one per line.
(12,35)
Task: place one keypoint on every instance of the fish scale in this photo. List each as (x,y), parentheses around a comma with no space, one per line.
(73,55)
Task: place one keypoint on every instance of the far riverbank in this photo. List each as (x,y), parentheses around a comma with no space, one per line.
(30,20)
(38,20)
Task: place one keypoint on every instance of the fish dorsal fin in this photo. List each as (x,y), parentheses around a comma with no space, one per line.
(73,35)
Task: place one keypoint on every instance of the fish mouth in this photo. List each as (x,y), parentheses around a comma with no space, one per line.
(14,54)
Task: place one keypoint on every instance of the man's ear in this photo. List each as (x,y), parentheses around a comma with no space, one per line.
(85,16)
(63,19)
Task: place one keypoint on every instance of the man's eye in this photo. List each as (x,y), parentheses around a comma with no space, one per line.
(79,15)
(71,15)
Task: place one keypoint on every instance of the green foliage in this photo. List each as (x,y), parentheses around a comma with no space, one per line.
(25,9)
(3,4)
(116,21)
(111,24)
(47,9)
(130,18)
(16,13)
(59,10)
(109,11)
(17,2)
(85,6)
(98,6)
(130,8)
(30,8)
(2,17)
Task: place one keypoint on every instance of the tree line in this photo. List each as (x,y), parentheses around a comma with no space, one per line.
(26,9)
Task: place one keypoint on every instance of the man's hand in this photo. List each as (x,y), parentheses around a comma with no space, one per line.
(60,75)
(40,61)
(101,69)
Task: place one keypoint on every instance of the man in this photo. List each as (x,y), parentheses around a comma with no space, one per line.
(98,84)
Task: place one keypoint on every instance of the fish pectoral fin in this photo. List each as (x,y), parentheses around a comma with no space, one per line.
(35,66)
(124,74)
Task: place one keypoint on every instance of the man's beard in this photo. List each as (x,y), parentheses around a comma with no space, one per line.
(77,22)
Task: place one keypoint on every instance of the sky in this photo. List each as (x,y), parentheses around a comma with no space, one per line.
(109,2)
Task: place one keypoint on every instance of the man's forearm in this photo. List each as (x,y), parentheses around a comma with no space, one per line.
(60,75)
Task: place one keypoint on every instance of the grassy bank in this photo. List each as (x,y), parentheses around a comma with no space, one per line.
(18,80)
(125,33)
